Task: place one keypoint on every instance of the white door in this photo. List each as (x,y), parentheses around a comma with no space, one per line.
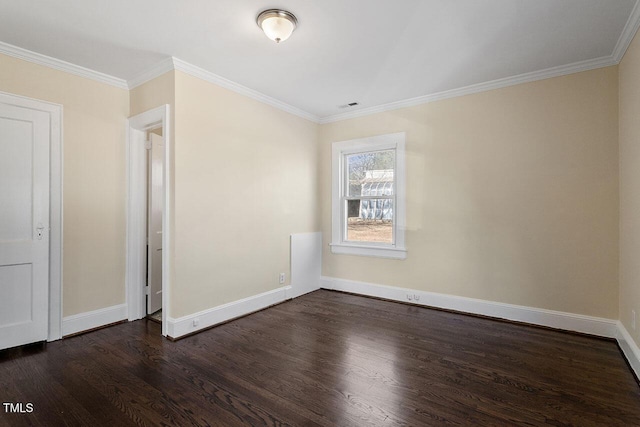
(24,225)
(156,201)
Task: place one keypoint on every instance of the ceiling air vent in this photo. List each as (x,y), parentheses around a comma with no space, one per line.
(349,105)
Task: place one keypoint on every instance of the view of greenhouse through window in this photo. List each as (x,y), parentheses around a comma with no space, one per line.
(370,196)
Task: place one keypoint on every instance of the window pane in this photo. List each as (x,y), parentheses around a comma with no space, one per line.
(373,223)
(370,174)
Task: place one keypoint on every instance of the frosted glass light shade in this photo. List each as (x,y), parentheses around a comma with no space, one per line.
(277,24)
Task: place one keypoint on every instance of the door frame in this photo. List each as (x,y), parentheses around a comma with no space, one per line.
(55,204)
(136,246)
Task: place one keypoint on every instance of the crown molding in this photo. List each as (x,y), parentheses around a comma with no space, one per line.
(58,64)
(625,39)
(210,77)
(628,33)
(157,70)
(562,70)
(171,63)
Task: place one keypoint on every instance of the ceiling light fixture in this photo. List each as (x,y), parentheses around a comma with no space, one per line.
(277,24)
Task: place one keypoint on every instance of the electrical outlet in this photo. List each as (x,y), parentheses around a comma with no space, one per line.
(633,319)
(416,297)
(409,297)
(196,322)
(282,277)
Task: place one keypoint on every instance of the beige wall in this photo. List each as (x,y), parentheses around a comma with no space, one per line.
(152,94)
(512,195)
(94,179)
(630,187)
(245,179)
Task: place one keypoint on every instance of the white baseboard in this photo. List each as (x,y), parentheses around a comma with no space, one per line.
(93,319)
(222,313)
(629,348)
(536,316)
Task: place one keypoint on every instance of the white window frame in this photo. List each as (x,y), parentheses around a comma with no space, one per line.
(339,244)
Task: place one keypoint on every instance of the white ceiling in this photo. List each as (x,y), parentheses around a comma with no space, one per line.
(371,51)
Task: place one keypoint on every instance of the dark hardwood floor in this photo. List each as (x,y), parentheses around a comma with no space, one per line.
(328,359)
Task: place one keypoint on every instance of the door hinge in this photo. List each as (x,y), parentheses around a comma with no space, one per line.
(147,145)
(147,290)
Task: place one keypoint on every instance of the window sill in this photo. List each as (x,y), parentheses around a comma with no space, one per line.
(365,250)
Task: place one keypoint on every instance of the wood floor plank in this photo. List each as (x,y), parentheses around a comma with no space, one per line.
(325,359)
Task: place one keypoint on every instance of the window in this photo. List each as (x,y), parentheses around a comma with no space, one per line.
(368,197)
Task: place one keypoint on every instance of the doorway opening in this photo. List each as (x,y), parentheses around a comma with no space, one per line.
(155,156)
(147,270)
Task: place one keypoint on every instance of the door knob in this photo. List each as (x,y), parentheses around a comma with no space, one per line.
(39,230)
